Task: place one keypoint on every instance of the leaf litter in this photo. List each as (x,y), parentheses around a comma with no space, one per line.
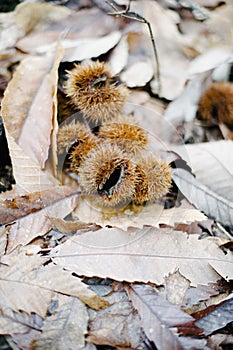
(76,276)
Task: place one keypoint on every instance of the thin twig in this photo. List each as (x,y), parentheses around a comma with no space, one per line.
(135,16)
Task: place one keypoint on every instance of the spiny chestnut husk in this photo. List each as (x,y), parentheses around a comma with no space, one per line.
(77,140)
(154,179)
(91,90)
(216,105)
(108,174)
(125,132)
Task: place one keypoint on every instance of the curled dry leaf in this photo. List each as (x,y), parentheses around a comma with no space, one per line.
(66,328)
(146,255)
(69,227)
(29,106)
(59,201)
(150,215)
(15,322)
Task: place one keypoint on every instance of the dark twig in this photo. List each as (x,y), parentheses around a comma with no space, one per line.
(126,13)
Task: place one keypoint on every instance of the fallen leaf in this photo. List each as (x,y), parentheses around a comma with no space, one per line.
(25,18)
(206,159)
(150,215)
(176,287)
(18,291)
(66,328)
(138,74)
(68,227)
(117,325)
(159,318)
(78,50)
(212,204)
(146,255)
(18,322)
(29,105)
(218,318)
(58,202)
(119,56)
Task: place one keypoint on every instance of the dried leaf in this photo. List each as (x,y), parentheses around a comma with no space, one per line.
(56,279)
(18,322)
(218,318)
(29,105)
(206,159)
(176,287)
(68,227)
(119,56)
(58,202)
(18,291)
(117,325)
(78,50)
(212,204)
(146,255)
(65,329)
(24,20)
(138,74)
(159,317)
(153,215)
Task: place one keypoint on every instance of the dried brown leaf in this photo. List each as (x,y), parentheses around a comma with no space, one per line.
(146,255)
(159,318)
(68,227)
(18,291)
(59,202)
(65,329)
(29,105)
(138,74)
(150,215)
(117,325)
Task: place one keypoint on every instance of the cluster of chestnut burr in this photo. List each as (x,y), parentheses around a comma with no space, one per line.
(112,162)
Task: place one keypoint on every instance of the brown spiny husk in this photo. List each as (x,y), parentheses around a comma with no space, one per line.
(70,133)
(154,179)
(216,104)
(108,174)
(125,132)
(90,88)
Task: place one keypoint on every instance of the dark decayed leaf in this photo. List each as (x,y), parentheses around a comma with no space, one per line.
(159,319)
(218,318)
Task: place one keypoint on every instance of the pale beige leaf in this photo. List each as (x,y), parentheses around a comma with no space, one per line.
(119,56)
(116,325)
(206,159)
(29,104)
(210,202)
(18,291)
(65,329)
(176,287)
(142,255)
(61,281)
(138,74)
(62,201)
(27,174)
(78,50)
(152,214)
(16,322)
(26,17)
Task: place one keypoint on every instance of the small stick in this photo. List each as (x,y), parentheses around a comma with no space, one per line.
(135,16)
